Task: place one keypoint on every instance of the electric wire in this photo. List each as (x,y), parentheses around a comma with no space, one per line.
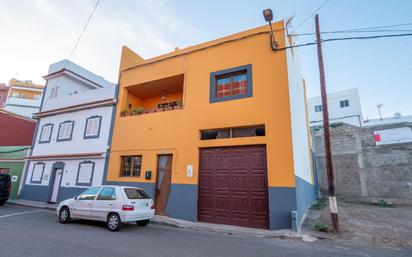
(347,38)
(311,15)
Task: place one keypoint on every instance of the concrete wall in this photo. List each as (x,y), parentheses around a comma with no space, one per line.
(363,170)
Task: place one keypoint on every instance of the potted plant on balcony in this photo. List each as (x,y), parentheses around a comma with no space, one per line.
(124,113)
(179,105)
(138,110)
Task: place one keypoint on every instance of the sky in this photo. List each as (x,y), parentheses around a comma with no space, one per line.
(37,33)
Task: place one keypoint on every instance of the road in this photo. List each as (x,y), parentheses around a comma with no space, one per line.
(37,233)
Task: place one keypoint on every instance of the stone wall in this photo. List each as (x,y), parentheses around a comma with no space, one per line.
(363,170)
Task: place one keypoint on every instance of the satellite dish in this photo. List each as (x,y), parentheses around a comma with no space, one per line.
(398,115)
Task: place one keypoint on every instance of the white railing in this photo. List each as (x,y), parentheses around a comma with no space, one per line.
(24,101)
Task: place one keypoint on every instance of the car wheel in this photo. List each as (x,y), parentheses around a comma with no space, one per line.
(113,222)
(2,203)
(143,223)
(64,215)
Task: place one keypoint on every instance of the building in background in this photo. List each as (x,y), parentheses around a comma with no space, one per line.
(74,123)
(24,97)
(397,118)
(16,135)
(343,106)
(4,91)
(216,132)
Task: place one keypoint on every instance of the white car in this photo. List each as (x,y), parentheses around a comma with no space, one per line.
(113,204)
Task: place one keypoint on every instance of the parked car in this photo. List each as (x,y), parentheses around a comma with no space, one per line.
(5,188)
(112,204)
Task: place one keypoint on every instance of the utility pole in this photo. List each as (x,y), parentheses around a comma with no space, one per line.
(328,154)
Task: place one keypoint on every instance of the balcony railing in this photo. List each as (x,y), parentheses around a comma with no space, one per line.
(177,105)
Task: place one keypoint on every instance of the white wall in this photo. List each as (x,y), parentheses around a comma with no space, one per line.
(86,92)
(77,144)
(25,111)
(71,168)
(84,95)
(351,114)
(300,141)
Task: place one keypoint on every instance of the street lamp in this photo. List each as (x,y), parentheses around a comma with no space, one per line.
(268,15)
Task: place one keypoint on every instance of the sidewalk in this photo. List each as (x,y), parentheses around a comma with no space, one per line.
(33,204)
(197,226)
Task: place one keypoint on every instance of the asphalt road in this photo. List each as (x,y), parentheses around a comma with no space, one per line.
(37,233)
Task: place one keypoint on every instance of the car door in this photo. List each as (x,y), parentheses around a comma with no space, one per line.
(81,208)
(104,203)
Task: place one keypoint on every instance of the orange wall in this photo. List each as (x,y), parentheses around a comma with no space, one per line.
(151,102)
(177,132)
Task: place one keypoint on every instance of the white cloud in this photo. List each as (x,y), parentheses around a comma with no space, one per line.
(36,33)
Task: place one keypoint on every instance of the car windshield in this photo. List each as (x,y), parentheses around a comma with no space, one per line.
(134,193)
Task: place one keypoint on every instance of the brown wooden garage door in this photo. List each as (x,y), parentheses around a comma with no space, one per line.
(233,186)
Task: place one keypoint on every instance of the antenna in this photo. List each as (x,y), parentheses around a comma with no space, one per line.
(379,105)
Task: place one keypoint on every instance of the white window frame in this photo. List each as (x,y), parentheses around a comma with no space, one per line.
(63,131)
(96,122)
(46,140)
(38,180)
(80,181)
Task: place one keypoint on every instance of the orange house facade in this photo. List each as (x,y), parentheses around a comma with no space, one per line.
(216,132)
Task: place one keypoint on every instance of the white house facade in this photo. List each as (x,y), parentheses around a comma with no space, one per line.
(72,137)
(343,106)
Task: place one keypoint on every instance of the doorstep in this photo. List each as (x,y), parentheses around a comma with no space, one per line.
(33,204)
(231,230)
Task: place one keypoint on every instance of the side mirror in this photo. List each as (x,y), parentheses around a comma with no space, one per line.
(75,197)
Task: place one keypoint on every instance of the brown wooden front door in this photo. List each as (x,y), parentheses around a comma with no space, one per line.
(233,187)
(163,180)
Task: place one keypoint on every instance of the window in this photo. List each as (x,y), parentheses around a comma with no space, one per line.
(37,174)
(344,103)
(65,131)
(45,134)
(4,170)
(130,166)
(54,92)
(107,193)
(133,193)
(90,193)
(318,108)
(85,173)
(250,131)
(231,84)
(92,129)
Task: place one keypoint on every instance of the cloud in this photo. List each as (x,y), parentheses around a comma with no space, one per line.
(44,32)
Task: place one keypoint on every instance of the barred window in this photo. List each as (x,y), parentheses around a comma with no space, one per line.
(130,166)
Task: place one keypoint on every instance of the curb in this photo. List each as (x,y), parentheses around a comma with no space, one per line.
(204,227)
(271,234)
(31,205)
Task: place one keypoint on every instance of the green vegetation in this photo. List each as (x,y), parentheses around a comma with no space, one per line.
(320,204)
(321,227)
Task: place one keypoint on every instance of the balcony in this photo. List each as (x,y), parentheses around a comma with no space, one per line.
(28,102)
(155,96)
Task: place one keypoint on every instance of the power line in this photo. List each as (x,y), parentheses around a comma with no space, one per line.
(348,38)
(385,26)
(310,16)
(77,41)
(84,29)
(352,31)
